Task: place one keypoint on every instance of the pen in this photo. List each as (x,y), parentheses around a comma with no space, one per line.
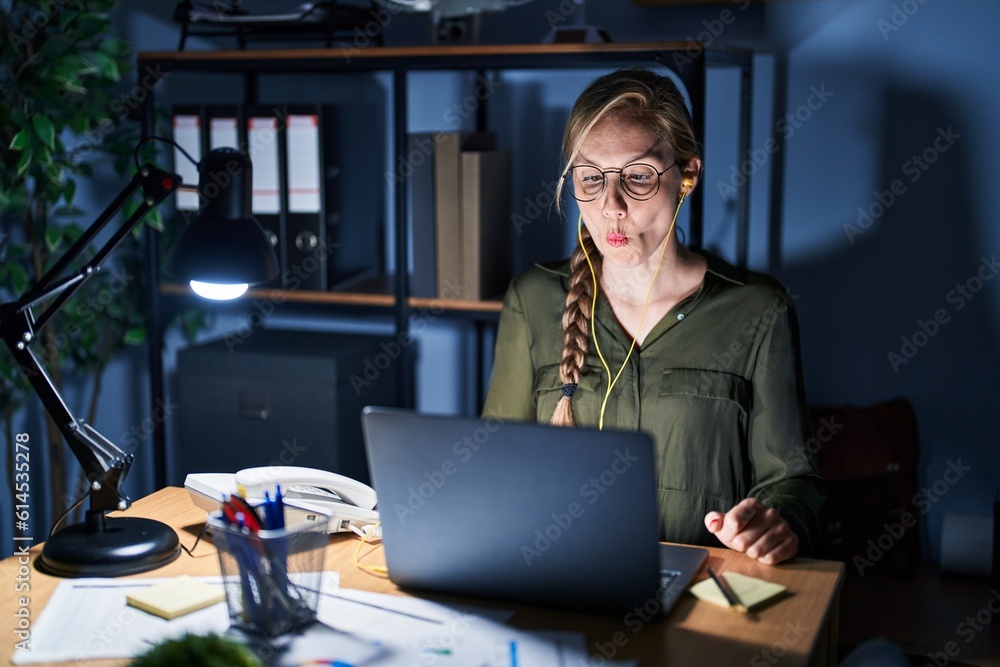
(247,568)
(268,511)
(730,594)
(229,512)
(250,515)
(279,507)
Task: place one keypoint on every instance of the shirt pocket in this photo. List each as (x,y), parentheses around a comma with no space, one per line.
(586,402)
(702,383)
(703,446)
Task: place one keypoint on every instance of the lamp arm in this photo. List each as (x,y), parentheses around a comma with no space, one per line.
(104,464)
(156,186)
(42,289)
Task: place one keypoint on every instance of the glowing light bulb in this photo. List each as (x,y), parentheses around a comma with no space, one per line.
(218,291)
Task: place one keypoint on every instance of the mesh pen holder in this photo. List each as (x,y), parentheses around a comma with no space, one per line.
(272,577)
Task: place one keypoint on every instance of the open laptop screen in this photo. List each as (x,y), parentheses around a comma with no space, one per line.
(526,512)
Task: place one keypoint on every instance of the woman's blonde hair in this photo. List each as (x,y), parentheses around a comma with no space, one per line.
(646,98)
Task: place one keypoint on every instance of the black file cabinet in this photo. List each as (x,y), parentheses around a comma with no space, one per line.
(277,397)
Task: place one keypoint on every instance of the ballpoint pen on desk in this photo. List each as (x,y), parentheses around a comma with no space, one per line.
(728,593)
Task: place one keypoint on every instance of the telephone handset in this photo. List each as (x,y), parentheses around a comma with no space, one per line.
(344,499)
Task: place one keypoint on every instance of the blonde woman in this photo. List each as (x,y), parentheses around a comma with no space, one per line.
(637,332)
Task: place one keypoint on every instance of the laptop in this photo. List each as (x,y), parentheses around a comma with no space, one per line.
(530,513)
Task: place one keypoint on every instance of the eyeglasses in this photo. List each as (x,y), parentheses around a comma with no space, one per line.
(639,180)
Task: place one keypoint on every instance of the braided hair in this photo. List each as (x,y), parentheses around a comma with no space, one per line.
(576,325)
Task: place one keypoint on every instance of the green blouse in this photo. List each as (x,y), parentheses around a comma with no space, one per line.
(717,384)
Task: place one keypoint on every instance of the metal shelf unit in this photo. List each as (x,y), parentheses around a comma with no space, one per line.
(399,62)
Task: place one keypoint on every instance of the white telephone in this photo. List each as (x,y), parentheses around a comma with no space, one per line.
(345,500)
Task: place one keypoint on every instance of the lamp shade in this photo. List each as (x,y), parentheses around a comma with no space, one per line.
(223,244)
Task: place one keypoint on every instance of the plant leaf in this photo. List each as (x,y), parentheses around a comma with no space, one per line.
(154,219)
(135,336)
(25,162)
(90,24)
(20,140)
(106,65)
(116,48)
(53,237)
(68,211)
(44,128)
(18,278)
(69,190)
(67,74)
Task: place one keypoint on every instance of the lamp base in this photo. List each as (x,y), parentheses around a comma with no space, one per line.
(109,547)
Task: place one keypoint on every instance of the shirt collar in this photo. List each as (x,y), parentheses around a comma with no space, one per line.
(722,269)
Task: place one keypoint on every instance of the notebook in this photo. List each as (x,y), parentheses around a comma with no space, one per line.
(530,513)
(176,597)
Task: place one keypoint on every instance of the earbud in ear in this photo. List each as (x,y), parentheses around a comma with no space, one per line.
(686,185)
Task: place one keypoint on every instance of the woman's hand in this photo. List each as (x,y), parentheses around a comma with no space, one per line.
(755,529)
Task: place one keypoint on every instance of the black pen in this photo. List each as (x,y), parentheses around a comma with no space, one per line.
(729,593)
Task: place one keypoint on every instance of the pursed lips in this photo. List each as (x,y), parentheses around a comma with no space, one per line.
(616,239)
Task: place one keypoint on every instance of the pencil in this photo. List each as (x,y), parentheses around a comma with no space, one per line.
(729,593)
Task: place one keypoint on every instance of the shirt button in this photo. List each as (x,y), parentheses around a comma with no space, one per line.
(680,316)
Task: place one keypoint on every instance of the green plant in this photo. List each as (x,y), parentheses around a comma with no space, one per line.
(198,651)
(61,68)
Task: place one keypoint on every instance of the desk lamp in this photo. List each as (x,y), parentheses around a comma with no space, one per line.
(220,252)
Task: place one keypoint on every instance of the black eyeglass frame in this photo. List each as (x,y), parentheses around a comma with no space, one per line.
(621,179)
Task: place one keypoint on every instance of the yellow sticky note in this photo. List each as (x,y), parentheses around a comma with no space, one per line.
(176,597)
(750,590)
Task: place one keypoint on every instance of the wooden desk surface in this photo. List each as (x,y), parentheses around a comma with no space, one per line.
(800,629)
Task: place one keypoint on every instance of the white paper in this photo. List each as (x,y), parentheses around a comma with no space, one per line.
(262,139)
(303,163)
(415,631)
(89,619)
(223,133)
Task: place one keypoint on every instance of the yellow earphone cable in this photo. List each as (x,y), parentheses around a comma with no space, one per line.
(593,308)
(593,297)
(377,570)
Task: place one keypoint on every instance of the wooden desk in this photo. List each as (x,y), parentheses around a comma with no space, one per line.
(798,630)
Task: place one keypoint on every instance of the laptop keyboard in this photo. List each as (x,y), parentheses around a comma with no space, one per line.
(670,590)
